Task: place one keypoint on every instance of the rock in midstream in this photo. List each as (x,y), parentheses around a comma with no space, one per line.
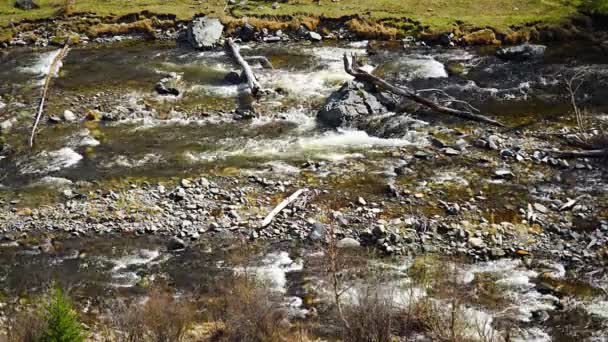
(204,33)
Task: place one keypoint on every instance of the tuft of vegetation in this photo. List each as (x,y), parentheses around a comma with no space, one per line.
(62,323)
(162,318)
(596,6)
(248,313)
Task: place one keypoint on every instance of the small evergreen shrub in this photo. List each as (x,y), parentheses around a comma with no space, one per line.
(62,323)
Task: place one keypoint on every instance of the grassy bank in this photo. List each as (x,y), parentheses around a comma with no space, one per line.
(436,15)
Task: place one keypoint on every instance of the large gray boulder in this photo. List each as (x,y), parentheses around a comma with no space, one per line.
(522,52)
(26,4)
(204,33)
(349,106)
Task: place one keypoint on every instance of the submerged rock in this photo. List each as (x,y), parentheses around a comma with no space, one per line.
(522,52)
(169,85)
(204,33)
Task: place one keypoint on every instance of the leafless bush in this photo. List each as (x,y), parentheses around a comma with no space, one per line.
(162,318)
(370,318)
(26,326)
(249,312)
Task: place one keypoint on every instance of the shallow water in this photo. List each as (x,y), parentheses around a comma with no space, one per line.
(194,133)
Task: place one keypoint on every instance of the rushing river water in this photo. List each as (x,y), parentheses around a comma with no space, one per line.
(162,137)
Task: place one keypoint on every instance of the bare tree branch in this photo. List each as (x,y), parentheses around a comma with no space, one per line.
(54,68)
(350,65)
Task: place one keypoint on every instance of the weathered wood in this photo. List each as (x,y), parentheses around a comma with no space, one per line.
(252,81)
(53,68)
(579,154)
(281,206)
(351,67)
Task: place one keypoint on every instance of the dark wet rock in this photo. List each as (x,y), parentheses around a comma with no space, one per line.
(204,33)
(349,105)
(233,77)
(246,32)
(175,244)
(522,52)
(26,4)
(169,85)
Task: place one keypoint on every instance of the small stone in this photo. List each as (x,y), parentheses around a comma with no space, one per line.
(175,244)
(540,208)
(318,232)
(186,183)
(348,243)
(314,36)
(69,116)
(276,5)
(476,242)
(361,201)
(451,152)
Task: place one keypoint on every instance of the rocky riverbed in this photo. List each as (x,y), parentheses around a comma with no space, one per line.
(178,172)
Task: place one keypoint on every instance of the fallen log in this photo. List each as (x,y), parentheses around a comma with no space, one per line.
(252,81)
(579,154)
(351,67)
(53,69)
(281,206)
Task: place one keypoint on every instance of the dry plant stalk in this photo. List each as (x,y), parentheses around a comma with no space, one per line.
(53,69)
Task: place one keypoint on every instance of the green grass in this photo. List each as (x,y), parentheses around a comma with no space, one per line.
(436,14)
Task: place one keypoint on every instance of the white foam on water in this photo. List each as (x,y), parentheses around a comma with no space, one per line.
(225,91)
(123,277)
(425,67)
(515,280)
(302,85)
(297,115)
(333,146)
(274,267)
(126,162)
(143,256)
(47,162)
(43,64)
(54,182)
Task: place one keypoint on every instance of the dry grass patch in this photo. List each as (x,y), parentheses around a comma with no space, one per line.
(371,30)
(144,26)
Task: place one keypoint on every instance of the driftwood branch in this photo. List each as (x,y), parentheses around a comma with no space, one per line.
(54,68)
(281,206)
(351,67)
(252,81)
(579,154)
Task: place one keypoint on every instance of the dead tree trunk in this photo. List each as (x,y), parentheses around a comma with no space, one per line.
(53,68)
(252,81)
(351,67)
(580,154)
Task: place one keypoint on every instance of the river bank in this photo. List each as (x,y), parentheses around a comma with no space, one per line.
(504,25)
